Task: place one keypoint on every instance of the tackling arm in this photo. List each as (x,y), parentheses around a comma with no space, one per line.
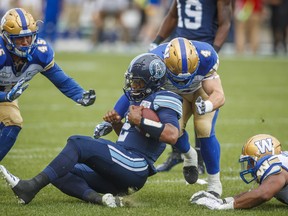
(224,8)
(266,191)
(213,87)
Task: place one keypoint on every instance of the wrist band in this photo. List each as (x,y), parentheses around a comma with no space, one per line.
(208,106)
(151,128)
(158,40)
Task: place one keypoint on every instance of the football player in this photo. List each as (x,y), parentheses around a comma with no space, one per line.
(201,20)
(192,73)
(262,161)
(22,56)
(87,168)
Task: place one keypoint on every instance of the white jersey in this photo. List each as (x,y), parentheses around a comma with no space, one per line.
(271,166)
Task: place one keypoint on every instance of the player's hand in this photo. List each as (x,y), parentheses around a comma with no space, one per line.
(88,98)
(17,90)
(102,129)
(212,202)
(112,117)
(200,106)
(152,46)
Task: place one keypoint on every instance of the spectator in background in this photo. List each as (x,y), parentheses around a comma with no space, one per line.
(279,24)
(248,18)
(52,10)
(105,9)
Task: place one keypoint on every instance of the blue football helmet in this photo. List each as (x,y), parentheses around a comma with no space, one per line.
(145,75)
(182,61)
(18,23)
(256,148)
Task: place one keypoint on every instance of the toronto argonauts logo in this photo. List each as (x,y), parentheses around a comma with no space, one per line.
(157,68)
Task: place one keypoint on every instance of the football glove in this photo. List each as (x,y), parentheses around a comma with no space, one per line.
(212,202)
(88,98)
(17,90)
(202,106)
(152,46)
(102,129)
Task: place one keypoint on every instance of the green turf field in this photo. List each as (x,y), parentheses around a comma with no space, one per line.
(256,102)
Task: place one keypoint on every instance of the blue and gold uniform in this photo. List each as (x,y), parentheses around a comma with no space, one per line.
(22,56)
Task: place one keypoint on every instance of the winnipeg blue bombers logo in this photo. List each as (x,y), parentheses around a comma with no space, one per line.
(157,68)
(264,145)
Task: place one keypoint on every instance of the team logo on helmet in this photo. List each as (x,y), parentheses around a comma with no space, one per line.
(157,68)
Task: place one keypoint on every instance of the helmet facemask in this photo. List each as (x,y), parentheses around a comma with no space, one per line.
(182,61)
(145,75)
(256,148)
(16,24)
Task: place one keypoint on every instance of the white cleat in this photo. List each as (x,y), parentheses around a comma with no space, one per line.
(111,201)
(10,179)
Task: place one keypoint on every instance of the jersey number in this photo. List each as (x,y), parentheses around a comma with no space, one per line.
(192,14)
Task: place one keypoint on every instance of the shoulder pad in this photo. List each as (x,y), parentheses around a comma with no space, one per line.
(169,100)
(160,50)
(44,53)
(3,51)
(267,166)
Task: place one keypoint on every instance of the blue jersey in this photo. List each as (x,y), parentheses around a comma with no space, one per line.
(168,107)
(197,20)
(42,62)
(208,63)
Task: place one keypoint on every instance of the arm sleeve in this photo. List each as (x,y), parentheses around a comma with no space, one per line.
(122,105)
(64,83)
(3,96)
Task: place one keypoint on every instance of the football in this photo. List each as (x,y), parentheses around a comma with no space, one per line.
(150,114)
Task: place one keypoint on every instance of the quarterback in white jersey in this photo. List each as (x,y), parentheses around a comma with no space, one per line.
(22,56)
(262,161)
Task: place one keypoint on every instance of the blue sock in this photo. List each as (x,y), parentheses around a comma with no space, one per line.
(8,136)
(122,105)
(182,143)
(210,150)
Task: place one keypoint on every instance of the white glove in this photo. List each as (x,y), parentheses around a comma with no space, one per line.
(102,129)
(88,98)
(152,46)
(17,90)
(202,106)
(210,201)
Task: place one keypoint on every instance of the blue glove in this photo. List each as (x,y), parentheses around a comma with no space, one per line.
(88,98)
(102,129)
(17,90)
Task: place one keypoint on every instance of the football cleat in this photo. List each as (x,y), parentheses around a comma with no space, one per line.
(190,174)
(173,159)
(111,201)
(21,189)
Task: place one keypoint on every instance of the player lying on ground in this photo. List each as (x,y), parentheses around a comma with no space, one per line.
(88,167)
(262,161)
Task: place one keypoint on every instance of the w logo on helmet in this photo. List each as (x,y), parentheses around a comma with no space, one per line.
(265,145)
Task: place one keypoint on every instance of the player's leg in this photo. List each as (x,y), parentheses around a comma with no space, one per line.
(210,147)
(201,166)
(10,126)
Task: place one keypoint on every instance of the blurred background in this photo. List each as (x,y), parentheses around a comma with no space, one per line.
(131,25)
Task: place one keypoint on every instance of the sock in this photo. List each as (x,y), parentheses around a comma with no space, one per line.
(190,155)
(40,181)
(8,137)
(122,105)
(214,183)
(210,150)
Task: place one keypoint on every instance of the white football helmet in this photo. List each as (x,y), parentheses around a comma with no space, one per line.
(182,61)
(254,149)
(18,23)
